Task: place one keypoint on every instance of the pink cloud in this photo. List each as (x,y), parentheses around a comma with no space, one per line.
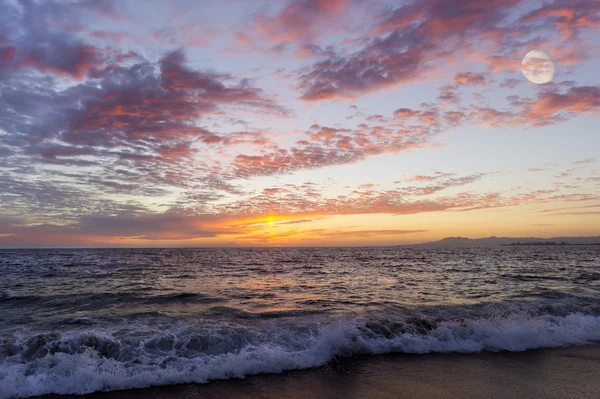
(301,20)
(242,40)
(569,17)
(166,110)
(413,41)
(470,79)
(578,100)
(448,94)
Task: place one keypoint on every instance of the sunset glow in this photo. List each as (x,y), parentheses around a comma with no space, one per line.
(295,123)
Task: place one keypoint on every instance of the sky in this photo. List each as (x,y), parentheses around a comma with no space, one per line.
(208,123)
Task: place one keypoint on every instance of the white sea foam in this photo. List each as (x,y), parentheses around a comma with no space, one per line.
(84,361)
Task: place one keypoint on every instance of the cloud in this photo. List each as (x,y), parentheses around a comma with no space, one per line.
(590,213)
(586,161)
(325,146)
(448,94)
(511,83)
(95,229)
(304,202)
(138,115)
(299,221)
(346,146)
(413,41)
(377,66)
(325,234)
(406,46)
(551,106)
(575,197)
(470,79)
(242,39)
(136,102)
(43,49)
(44,199)
(301,20)
(94,220)
(150,227)
(576,100)
(368,233)
(570,18)
(435,176)
(569,208)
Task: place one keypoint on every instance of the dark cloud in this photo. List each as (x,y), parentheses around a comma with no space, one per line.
(33,38)
(94,229)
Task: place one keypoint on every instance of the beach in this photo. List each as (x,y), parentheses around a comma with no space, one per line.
(561,373)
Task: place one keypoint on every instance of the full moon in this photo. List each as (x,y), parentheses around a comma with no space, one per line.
(537,67)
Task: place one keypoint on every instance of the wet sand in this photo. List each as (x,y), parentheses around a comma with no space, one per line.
(549,373)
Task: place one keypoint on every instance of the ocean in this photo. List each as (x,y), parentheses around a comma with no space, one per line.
(85,320)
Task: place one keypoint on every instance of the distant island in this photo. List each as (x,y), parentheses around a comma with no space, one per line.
(542,243)
(490,242)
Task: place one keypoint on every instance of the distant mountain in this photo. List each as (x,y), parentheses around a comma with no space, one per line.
(462,242)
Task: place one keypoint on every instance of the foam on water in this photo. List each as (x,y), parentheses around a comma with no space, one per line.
(99,357)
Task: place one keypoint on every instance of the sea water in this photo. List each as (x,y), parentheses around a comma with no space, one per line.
(86,320)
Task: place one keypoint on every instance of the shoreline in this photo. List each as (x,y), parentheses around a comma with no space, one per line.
(567,372)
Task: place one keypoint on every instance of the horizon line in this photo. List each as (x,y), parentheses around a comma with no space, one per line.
(300,246)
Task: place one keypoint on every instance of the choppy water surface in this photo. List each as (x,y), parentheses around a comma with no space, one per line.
(78,321)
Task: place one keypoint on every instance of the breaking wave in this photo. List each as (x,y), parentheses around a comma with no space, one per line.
(100,356)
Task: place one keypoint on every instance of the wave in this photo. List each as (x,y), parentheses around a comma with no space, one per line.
(101,299)
(165,351)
